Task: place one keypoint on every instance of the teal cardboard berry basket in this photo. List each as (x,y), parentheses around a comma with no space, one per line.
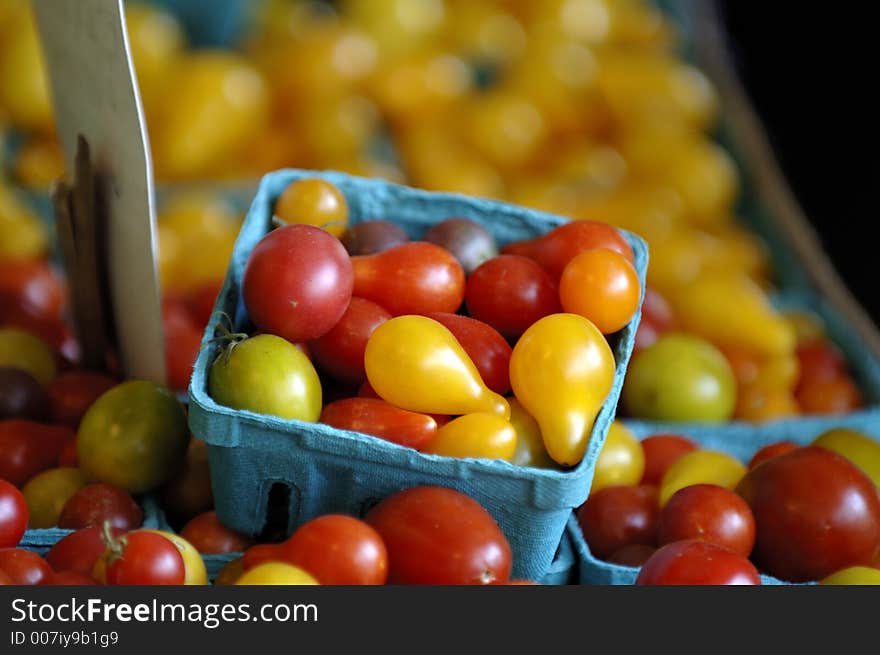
(260,462)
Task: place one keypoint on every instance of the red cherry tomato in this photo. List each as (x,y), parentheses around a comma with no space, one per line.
(436,535)
(555,249)
(5,579)
(412,278)
(834,396)
(340,352)
(260,554)
(772,450)
(144,558)
(487,349)
(693,562)
(338,550)
(209,536)
(31,287)
(78,551)
(815,513)
(69,579)
(708,512)
(183,339)
(657,319)
(27,448)
(632,555)
(13,515)
(297,282)
(96,503)
(661,451)
(67,457)
(201,302)
(71,393)
(510,293)
(381,419)
(619,516)
(820,359)
(23,567)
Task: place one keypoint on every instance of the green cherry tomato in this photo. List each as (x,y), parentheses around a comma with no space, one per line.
(268,375)
(854,575)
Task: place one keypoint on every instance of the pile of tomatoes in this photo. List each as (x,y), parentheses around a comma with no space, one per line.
(686,515)
(381,324)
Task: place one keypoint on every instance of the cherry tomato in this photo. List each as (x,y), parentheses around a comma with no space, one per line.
(23,567)
(5,579)
(469,242)
(510,293)
(260,554)
(340,352)
(603,286)
(436,535)
(183,339)
(73,392)
(26,448)
(193,564)
(860,449)
(69,579)
(657,319)
(701,467)
(297,282)
(67,456)
(371,237)
(530,449)
(619,516)
(21,396)
(815,513)
(22,350)
(13,515)
(230,573)
(95,504)
(661,451)
(771,450)
(680,378)
(835,396)
(31,286)
(621,460)
(487,349)
(275,573)
(134,436)
(381,419)
(479,434)
(48,492)
(338,550)
(853,575)
(209,536)
(79,550)
(313,201)
(268,375)
(189,491)
(632,555)
(820,359)
(555,249)
(412,278)
(693,562)
(144,557)
(709,513)
(200,302)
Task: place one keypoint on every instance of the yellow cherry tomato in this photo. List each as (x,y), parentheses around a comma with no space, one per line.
(415,363)
(398,26)
(505,127)
(194,565)
(475,435)
(853,575)
(20,349)
(860,449)
(530,449)
(621,460)
(758,404)
(276,573)
(561,370)
(701,467)
(24,84)
(39,163)
(314,201)
(156,40)
(46,494)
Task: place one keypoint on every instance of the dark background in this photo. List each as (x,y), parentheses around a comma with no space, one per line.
(810,69)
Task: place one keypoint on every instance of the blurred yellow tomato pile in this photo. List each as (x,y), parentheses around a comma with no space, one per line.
(579,107)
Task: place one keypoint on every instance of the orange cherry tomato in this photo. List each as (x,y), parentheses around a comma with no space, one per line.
(603,286)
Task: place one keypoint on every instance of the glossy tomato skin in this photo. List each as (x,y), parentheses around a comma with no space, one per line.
(693,562)
(209,536)
(619,516)
(78,551)
(488,350)
(23,566)
(27,447)
(603,286)
(96,503)
(412,278)
(371,237)
(72,393)
(772,450)
(555,249)
(146,558)
(661,451)
(436,535)
(21,396)
(13,515)
(815,513)
(69,579)
(297,282)
(381,419)
(708,512)
(340,352)
(467,240)
(338,550)
(510,293)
